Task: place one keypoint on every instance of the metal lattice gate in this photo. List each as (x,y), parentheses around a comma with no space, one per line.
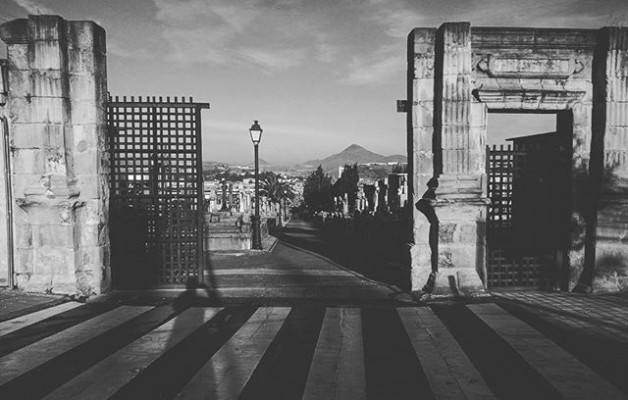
(506,266)
(156,203)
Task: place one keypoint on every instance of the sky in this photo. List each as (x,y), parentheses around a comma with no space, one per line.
(319,75)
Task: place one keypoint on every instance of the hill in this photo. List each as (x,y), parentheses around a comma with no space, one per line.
(351,155)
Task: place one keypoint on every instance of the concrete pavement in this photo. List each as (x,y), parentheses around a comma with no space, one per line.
(291,324)
(504,348)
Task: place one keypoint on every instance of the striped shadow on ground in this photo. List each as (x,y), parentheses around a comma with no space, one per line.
(392,369)
(337,369)
(35,332)
(105,378)
(569,376)
(449,371)
(14,324)
(507,374)
(283,370)
(226,373)
(29,357)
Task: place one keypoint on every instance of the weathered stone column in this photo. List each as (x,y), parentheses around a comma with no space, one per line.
(420,123)
(611,150)
(457,132)
(57,125)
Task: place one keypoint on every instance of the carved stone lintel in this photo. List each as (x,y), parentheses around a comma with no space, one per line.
(529,67)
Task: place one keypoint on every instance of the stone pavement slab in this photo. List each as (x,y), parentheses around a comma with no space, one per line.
(14,303)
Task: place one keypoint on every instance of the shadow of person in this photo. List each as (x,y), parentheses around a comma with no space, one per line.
(211,283)
(426,206)
(195,294)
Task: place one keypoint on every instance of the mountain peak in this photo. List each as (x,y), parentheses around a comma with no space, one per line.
(353,147)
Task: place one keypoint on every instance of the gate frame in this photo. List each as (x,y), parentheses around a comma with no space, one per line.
(158,102)
(456,76)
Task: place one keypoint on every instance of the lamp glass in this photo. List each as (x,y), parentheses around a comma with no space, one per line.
(256,133)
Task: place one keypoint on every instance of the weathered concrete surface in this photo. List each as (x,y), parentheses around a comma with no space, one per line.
(57,125)
(457,74)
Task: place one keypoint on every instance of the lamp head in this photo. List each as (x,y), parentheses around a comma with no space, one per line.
(256,133)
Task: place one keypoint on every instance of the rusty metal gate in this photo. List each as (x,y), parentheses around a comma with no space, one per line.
(156,203)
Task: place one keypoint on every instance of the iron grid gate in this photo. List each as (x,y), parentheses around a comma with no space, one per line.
(156,203)
(506,267)
(529,214)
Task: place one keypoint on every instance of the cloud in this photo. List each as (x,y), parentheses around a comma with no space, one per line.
(397,17)
(272,35)
(33,7)
(378,68)
(275,59)
(115,48)
(326,53)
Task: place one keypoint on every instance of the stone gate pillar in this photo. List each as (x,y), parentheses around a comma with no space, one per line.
(57,126)
(448,136)
(609,253)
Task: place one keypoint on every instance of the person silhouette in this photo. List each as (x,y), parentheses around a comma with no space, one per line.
(426,206)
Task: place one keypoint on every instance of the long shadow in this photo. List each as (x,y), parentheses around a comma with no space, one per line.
(372,262)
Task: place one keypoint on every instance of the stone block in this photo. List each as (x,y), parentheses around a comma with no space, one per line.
(463,255)
(446,232)
(29,161)
(46,55)
(90,186)
(83,87)
(422,40)
(91,256)
(93,212)
(86,162)
(46,27)
(469,283)
(422,139)
(423,90)
(58,236)
(45,109)
(81,61)
(23,261)
(17,56)
(423,116)
(19,85)
(23,236)
(30,136)
(421,265)
(468,233)
(85,136)
(445,258)
(23,183)
(421,230)
(87,112)
(48,83)
(19,110)
(86,35)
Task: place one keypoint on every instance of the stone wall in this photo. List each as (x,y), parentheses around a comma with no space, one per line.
(57,125)
(457,74)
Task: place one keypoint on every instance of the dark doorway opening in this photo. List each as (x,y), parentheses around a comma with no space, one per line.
(529,185)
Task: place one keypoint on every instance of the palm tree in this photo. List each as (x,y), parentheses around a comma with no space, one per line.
(276,190)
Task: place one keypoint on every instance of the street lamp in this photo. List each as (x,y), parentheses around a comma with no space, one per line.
(256,137)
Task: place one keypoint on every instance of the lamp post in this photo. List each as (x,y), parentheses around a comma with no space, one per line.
(256,137)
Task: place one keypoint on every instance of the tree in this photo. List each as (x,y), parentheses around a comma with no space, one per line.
(400,169)
(317,191)
(348,183)
(275,189)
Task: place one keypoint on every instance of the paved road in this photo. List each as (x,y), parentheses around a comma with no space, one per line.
(505,348)
(373,263)
(291,324)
